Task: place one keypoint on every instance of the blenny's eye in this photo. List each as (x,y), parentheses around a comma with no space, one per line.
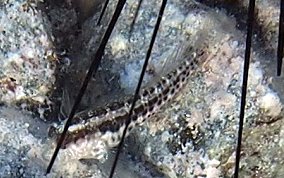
(53,131)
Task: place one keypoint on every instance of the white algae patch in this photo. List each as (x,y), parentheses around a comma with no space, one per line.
(271,104)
